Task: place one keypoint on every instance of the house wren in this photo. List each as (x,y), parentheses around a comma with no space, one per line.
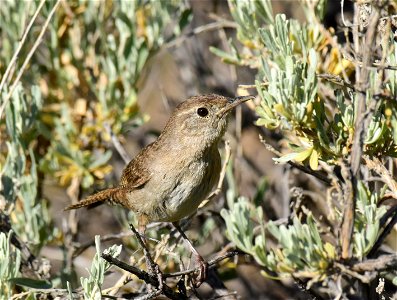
(169,178)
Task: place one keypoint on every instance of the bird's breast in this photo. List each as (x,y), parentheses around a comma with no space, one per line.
(184,185)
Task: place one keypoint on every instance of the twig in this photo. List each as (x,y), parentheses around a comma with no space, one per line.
(117,145)
(383,262)
(5,227)
(347,225)
(346,270)
(339,81)
(145,276)
(342,2)
(122,281)
(16,53)
(28,57)
(154,268)
(200,29)
(252,86)
(82,247)
(378,65)
(302,168)
(153,279)
(211,263)
(376,165)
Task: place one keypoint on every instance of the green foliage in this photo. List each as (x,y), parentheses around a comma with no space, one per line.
(98,78)
(317,119)
(287,64)
(240,227)
(366,227)
(31,220)
(16,14)
(249,16)
(10,260)
(92,285)
(301,250)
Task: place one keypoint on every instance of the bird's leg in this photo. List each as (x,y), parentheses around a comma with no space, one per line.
(202,263)
(152,267)
(142,222)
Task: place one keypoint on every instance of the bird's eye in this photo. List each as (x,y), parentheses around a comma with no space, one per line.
(202,112)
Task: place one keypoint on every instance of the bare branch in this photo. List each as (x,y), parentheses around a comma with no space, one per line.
(145,276)
(116,143)
(211,263)
(384,262)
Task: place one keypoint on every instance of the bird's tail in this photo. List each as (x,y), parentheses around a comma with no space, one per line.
(114,195)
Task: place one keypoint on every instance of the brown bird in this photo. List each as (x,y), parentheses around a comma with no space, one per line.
(169,178)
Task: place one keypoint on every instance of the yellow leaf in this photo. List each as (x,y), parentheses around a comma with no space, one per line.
(267,275)
(301,156)
(323,264)
(330,250)
(281,110)
(283,267)
(279,254)
(314,160)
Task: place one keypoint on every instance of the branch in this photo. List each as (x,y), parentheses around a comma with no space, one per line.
(211,263)
(376,165)
(145,276)
(149,258)
(362,76)
(351,174)
(116,143)
(347,225)
(346,270)
(153,280)
(200,29)
(335,79)
(383,262)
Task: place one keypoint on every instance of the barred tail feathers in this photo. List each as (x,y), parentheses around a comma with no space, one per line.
(114,195)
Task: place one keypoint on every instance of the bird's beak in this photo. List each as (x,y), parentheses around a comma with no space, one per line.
(233,102)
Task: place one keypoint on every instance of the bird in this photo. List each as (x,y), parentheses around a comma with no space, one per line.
(170,177)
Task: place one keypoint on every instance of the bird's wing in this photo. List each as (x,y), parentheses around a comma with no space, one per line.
(135,174)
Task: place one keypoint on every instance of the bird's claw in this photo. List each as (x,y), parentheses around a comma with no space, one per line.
(203,272)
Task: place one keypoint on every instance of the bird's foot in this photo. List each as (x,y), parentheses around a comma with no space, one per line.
(202,272)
